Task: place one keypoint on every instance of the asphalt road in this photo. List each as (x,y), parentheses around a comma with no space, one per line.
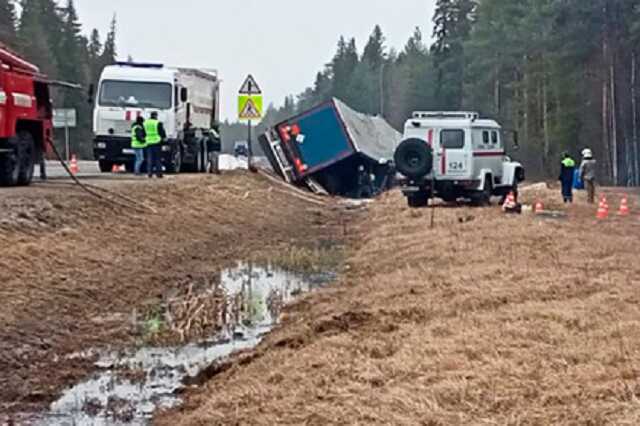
(55,169)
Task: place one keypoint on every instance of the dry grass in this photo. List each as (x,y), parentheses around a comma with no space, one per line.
(72,270)
(498,320)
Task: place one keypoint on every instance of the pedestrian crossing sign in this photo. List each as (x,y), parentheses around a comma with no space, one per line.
(250,107)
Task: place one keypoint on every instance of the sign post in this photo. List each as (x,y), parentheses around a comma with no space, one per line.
(250,107)
(65,118)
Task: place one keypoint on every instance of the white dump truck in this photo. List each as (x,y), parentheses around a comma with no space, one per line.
(187,102)
(455,155)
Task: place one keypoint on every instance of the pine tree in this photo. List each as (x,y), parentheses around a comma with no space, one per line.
(109,52)
(72,65)
(8,23)
(342,67)
(453,21)
(94,50)
(373,54)
(33,40)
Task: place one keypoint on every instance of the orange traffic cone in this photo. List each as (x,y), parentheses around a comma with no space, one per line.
(603,210)
(509,202)
(539,207)
(73,165)
(624,207)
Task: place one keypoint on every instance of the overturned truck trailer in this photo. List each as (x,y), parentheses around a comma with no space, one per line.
(345,152)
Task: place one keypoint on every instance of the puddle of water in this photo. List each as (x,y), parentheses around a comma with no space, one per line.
(130,387)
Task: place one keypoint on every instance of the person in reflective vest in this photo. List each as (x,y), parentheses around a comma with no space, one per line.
(155,134)
(138,143)
(567,171)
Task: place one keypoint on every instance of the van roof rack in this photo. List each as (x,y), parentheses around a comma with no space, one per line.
(447,114)
(139,65)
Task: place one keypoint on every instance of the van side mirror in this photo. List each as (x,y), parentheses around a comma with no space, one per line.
(184,95)
(90,93)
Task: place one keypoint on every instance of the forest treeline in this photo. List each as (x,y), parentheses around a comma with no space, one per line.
(49,34)
(564,73)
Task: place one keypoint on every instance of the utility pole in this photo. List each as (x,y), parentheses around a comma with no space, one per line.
(382,89)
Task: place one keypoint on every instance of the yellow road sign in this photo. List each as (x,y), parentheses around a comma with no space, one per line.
(249,107)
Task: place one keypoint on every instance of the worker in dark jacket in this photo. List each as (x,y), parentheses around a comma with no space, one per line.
(155,134)
(138,143)
(567,171)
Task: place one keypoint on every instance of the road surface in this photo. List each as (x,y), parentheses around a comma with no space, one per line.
(55,169)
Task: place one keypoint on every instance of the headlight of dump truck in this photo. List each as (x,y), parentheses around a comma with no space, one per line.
(101,145)
(166,148)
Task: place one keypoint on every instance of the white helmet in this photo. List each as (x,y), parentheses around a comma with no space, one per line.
(586,153)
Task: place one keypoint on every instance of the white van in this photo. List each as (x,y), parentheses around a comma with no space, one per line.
(455,155)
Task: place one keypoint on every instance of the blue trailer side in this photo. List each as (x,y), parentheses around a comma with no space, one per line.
(344,151)
(323,139)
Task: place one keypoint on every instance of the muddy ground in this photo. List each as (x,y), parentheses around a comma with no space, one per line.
(485,319)
(75,269)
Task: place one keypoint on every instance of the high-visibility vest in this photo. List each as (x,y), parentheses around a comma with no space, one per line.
(135,142)
(153,134)
(568,162)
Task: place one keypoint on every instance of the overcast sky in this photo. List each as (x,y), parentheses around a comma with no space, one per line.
(283,43)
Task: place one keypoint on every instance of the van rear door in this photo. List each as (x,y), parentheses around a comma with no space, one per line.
(453,158)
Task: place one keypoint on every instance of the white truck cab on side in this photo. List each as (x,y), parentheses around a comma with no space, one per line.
(455,155)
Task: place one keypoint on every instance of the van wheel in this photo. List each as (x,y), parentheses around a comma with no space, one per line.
(26,158)
(483,198)
(487,192)
(418,200)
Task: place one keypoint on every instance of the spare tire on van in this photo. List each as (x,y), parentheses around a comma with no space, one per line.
(414,158)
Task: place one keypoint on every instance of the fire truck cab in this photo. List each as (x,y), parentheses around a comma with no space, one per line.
(25,118)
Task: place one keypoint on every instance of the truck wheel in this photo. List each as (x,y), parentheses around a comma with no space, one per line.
(105,166)
(26,157)
(205,159)
(417,200)
(200,160)
(9,165)
(414,158)
(175,166)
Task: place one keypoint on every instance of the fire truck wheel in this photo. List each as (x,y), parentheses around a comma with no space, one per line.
(9,165)
(26,157)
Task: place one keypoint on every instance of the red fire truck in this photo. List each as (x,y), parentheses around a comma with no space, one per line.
(25,118)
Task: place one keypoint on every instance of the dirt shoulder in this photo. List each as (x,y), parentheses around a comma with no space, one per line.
(484,319)
(74,269)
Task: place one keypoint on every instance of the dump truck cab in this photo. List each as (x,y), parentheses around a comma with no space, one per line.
(455,155)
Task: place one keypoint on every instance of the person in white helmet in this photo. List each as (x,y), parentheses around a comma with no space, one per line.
(588,174)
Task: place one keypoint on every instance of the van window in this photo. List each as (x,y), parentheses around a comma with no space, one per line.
(452,139)
(485,137)
(494,137)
